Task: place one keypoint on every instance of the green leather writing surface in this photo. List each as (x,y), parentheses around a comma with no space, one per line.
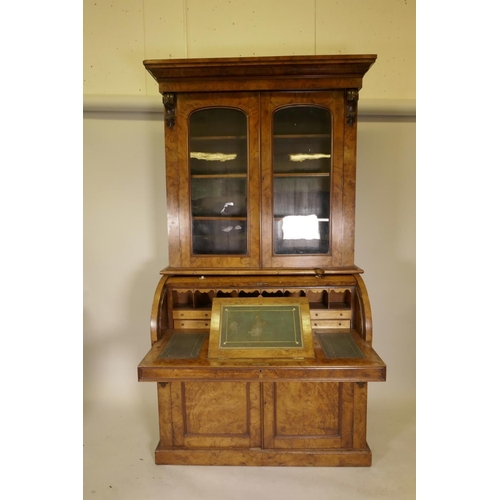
(257,326)
(184,345)
(339,345)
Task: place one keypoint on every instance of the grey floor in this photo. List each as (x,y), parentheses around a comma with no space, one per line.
(119,443)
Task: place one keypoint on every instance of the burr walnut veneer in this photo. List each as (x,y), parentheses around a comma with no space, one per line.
(260,183)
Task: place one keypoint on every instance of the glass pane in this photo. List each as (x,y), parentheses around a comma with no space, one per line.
(301,181)
(218,166)
(301,195)
(212,236)
(218,197)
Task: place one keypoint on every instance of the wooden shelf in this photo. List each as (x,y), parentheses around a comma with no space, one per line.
(301,174)
(218,176)
(301,136)
(218,138)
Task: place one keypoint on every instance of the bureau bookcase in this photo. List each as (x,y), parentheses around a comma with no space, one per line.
(260,185)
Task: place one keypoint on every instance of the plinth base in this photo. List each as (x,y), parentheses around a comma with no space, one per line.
(261,457)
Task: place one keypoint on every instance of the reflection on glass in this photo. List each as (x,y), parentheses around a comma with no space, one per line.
(218,167)
(212,156)
(301,181)
(219,237)
(214,196)
(307,156)
(298,227)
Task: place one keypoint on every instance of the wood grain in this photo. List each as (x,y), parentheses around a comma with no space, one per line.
(263,73)
(240,411)
(159,308)
(264,457)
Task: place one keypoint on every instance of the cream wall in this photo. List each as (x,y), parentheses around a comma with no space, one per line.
(120,34)
(124,205)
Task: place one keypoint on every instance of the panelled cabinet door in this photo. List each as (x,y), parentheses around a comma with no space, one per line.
(217,189)
(208,414)
(303,216)
(312,415)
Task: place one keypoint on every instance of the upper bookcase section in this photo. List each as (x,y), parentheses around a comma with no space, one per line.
(322,72)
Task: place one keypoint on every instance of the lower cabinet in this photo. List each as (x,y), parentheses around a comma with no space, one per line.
(262,410)
(263,423)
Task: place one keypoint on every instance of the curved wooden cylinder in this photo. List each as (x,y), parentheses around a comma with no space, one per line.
(365,310)
(159,310)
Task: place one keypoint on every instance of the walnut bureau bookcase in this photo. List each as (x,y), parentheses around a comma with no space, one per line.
(260,185)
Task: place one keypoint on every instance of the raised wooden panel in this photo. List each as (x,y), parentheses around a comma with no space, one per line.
(165,414)
(303,415)
(216,414)
(347,397)
(201,398)
(359,417)
(306,409)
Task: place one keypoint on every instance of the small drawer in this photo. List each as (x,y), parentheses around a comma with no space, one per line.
(191,314)
(191,324)
(331,323)
(330,314)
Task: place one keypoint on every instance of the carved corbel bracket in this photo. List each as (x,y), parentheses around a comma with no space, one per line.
(169,103)
(352,106)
